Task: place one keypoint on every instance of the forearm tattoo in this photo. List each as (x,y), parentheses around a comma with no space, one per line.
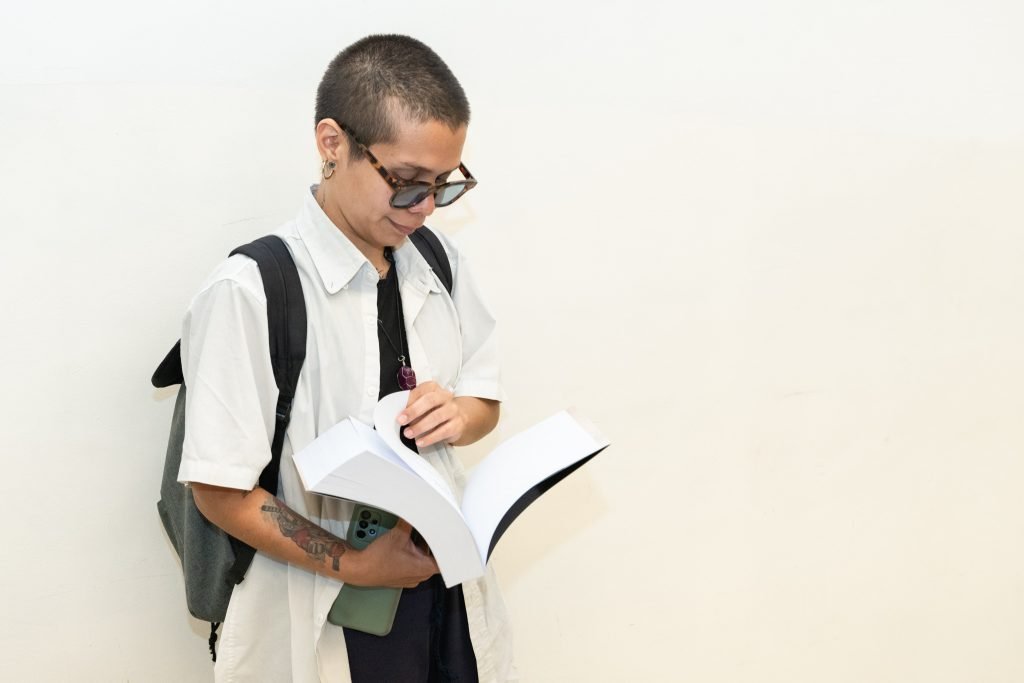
(317,542)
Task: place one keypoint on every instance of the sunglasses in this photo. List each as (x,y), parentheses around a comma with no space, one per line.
(409,193)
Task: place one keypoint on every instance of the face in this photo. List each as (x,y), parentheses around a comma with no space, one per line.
(357,199)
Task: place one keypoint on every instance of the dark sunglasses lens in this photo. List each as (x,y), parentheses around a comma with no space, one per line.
(443,196)
(408,196)
(447,194)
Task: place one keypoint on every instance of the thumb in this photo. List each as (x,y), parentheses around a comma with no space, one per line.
(402,528)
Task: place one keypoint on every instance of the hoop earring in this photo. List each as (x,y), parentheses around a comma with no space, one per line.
(324,169)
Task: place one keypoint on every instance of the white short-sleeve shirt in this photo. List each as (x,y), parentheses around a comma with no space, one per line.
(276,628)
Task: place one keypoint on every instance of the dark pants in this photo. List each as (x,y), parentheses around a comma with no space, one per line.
(429,641)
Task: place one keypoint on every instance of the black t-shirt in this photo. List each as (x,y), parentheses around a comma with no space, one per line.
(389,304)
(429,640)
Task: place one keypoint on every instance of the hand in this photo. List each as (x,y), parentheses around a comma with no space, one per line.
(394,561)
(432,415)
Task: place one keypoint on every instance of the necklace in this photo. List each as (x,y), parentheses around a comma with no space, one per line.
(406,375)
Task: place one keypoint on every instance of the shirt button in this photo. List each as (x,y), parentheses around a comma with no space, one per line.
(370,392)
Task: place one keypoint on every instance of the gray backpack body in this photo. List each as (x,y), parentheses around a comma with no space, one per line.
(213,561)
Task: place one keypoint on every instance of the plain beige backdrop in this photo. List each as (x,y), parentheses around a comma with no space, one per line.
(772,248)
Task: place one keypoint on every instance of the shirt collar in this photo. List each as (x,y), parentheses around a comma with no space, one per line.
(337,260)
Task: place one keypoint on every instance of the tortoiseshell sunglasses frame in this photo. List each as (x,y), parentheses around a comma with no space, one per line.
(397,184)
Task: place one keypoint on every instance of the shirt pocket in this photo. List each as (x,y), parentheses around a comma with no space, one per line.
(438,334)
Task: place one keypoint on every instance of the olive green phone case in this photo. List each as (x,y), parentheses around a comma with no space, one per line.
(367,609)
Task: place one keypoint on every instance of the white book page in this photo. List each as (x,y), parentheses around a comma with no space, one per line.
(324,453)
(519,464)
(351,461)
(383,484)
(384,419)
(374,443)
(336,446)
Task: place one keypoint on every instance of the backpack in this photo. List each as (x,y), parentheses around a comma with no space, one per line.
(214,562)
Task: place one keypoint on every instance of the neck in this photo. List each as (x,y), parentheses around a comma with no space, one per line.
(373,254)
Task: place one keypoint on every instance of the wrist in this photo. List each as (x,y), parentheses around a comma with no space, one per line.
(352,568)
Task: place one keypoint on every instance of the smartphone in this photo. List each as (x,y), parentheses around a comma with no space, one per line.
(367,609)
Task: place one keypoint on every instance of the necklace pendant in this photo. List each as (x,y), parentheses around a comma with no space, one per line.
(406,378)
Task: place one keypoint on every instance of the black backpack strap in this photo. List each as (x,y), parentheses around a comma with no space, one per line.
(286,317)
(169,372)
(433,251)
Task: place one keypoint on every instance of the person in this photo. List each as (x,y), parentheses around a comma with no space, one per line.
(391,122)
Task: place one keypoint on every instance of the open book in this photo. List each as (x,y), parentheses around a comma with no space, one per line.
(351,460)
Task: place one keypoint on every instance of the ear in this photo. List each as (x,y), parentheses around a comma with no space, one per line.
(331,141)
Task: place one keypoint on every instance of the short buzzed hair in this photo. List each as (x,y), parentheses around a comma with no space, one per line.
(380,76)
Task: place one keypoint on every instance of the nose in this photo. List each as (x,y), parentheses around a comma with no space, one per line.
(425,207)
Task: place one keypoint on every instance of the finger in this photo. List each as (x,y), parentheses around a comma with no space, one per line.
(428,568)
(431,420)
(447,432)
(398,538)
(418,391)
(400,534)
(415,396)
(424,405)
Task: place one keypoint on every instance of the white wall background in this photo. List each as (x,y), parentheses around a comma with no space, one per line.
(773,248)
